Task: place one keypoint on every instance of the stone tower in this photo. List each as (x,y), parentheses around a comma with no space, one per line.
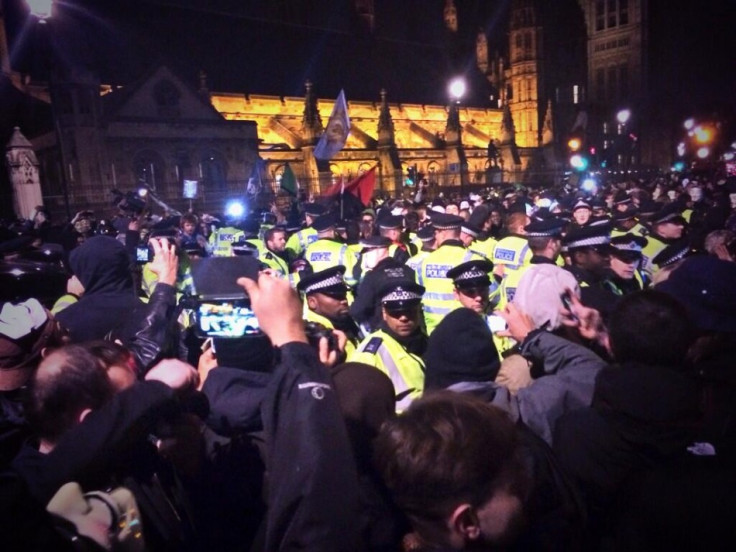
(450,16)
(23,172)
(524,79)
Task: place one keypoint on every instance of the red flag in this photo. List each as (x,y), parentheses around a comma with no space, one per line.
(363,186)
(336,188)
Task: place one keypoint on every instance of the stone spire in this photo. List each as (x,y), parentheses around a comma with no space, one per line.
(452,128)
(481,51)
(450,16)
(548,134)
(311,121)
(508,133)
(385,122)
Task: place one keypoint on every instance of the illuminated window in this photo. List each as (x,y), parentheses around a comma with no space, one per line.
(575,94)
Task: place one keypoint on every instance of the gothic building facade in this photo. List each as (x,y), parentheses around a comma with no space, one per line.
(162,131)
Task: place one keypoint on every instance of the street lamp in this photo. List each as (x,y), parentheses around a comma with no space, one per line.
(623,116)
(457,89)
(43,10)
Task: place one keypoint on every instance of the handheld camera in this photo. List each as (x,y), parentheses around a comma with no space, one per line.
(222,308)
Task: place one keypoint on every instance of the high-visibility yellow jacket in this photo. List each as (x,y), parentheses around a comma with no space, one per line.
(311,316)
(298,242)
(221,240)
(514,254)
(405,369)
(439,299)
(326,253)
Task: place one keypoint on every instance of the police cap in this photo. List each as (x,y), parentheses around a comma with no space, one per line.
(324,222)
(672,212)
(628,247)
(328,281)
(472,273)
(314,209)
(588,236)
(374,242)
(550,227)
(673,252)
(400,294)
(391,222)
(442,221)
(426,233)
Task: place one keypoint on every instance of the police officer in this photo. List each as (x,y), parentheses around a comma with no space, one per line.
(625,272)
(425,235)
(328,251)
(396,347)
(472,284)
(221,240)
(439,299)
(667,226)
(472,281)
(274,254)
(625,222)
(581,213)
(378,268)
(512,257)
(589,249)
(670,258)
(327,303)
(298,242)
(544,237)
(391,227)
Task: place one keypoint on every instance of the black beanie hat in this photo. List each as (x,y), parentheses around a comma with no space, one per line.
(460,349)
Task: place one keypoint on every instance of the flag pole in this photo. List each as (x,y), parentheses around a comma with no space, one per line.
(342,196)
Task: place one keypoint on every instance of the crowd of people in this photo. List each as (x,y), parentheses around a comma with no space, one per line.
(513,369)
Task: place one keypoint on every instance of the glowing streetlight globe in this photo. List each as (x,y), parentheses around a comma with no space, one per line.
(702,153)
(235,209)
(703,135)
(457,88)
(40,8)
(623,116)
(681,149)
(688,124)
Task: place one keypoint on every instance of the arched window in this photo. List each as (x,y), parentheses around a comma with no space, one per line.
(149,167)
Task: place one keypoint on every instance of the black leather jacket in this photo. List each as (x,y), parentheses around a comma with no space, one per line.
(158,334)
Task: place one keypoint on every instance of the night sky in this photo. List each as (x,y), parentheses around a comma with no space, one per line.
(273,46)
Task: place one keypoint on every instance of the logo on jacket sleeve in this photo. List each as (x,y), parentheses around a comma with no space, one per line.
(373,345)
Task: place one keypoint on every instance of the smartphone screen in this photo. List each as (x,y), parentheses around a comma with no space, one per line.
(141,254)
(227,319)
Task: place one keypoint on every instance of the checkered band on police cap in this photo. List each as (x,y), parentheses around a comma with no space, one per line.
(333,280)
(589,242)
(468,230)
(400,294)
(630,246)
(471,274)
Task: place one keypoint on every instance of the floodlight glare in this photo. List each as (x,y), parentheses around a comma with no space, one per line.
(235,209)
(457,88)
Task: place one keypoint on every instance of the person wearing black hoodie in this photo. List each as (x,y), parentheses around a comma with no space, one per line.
(108,304)
(645,408)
